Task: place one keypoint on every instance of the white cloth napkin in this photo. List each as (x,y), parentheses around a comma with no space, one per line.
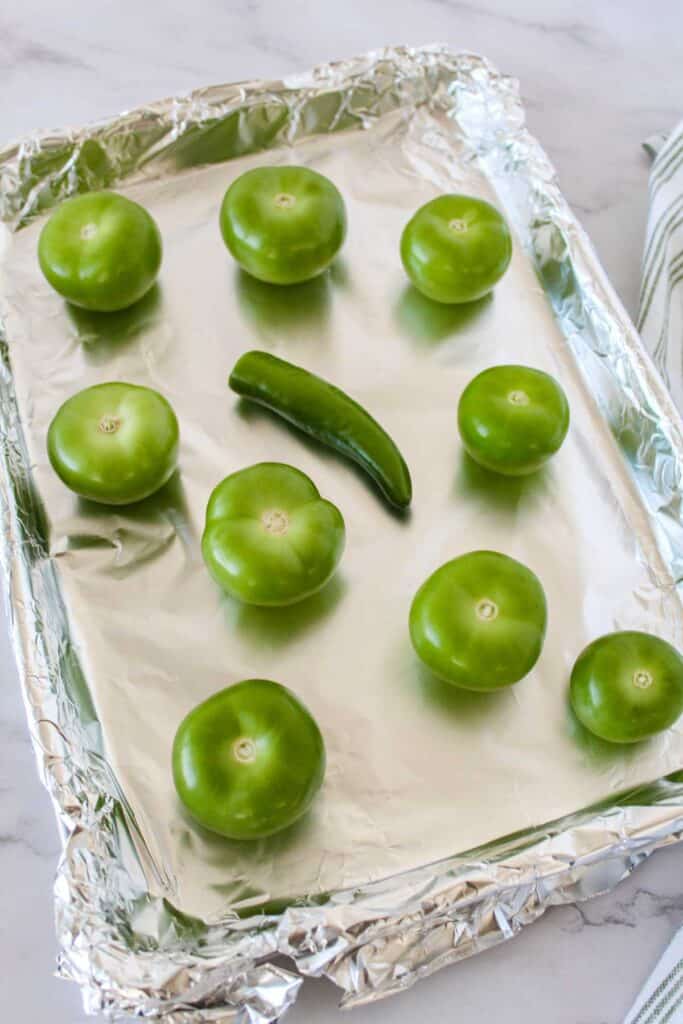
(661,327)
(660,320)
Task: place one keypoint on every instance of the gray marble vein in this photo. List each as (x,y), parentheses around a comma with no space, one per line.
(598,78)
(582,33)
(19,49)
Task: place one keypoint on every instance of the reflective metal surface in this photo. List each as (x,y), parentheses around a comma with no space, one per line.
(120,631)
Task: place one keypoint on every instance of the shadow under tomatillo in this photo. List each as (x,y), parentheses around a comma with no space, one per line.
(104,335)
(276,310)
(274,627)
(504,493)
(470,706)
(136,533)
(600,752)
(232,855)
(428,322)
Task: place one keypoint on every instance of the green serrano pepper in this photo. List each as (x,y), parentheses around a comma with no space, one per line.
(327,414)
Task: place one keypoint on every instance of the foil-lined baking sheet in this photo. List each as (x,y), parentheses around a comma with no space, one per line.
(119,630)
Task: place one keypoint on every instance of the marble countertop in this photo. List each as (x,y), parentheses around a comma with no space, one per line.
(597,79)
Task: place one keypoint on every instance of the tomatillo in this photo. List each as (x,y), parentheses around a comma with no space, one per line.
(283,225)
(100,251)
(627,686)
(270,539)
(114,443)
(479,621)
(248,761)
(512,419)
(456,248)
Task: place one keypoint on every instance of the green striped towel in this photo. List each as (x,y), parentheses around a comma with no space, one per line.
(661,1001)
(661,327)
(660,321)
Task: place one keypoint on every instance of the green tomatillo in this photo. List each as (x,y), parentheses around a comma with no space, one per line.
(100,251)
(512,419)
(627,686)
(479,621)
(283,224)
(248,761)
(114,443)
(270,539)
(455,248)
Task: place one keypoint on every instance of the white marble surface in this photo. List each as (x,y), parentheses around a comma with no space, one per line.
(597,79)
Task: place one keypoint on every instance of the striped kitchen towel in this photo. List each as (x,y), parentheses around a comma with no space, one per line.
(661,1000)
(660,320)
(661,327)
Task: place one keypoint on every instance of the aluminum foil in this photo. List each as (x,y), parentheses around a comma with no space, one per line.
(119,630)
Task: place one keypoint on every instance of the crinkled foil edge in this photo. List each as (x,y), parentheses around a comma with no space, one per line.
(130,951)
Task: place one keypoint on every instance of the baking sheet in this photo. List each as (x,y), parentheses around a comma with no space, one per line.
(417,771)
